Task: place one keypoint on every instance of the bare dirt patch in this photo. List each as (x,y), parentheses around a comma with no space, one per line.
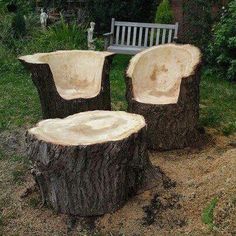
(191,177)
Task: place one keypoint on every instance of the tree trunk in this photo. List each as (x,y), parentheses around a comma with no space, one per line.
(170,126)
(89,179)
(53,105)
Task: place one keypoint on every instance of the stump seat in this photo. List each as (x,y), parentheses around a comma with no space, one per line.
(163,86)
(70,81)
(89,163)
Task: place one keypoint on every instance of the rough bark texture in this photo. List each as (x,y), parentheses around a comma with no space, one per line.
(90,180)
(170,126)
(54,106)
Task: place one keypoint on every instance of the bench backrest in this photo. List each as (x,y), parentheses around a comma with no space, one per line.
(142,34)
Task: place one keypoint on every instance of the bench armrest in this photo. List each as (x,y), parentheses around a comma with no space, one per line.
(107,34)
(107,39)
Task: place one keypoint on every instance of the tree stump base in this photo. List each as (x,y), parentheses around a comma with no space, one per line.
(163,86)
(89,163)
(69,82)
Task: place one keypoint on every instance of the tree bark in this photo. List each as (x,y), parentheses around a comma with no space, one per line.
(53,105)
(170,126)
(93,179)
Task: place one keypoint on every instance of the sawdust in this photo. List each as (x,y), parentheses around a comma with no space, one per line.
(199,174)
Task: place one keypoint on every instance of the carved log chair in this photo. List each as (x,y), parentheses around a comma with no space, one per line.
(163,85)
(70,81)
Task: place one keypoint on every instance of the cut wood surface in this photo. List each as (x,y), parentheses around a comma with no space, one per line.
(70,81)
(89,163)
(163,86)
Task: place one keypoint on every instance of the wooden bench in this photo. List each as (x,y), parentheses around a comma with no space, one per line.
(133,37)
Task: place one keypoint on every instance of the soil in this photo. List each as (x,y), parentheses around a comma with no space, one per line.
(191,178)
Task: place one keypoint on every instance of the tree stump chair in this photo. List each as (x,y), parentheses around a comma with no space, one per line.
(163,86)
(69,82)
(89,163)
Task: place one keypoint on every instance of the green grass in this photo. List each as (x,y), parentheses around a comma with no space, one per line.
(218,103)
(118,87)
(19,104)
(21,164)
(208,214)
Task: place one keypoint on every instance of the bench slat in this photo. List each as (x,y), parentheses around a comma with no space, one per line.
(163,36)
(123,35)
(128,38)
(112,30)
(169,36)
(151,37)
(145,25)
(146,37)
(134,36)
(158,37)
(117,34)
(140,36)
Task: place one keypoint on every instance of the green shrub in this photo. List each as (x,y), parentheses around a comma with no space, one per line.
(5,28)
(222,50)
(18,25)
(23,6)
(62,36)
(164,14)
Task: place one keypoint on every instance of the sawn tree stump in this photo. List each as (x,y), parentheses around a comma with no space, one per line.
(89,163)
(69,82)
(163,86)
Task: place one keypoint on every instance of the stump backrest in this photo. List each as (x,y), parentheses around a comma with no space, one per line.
(157,72)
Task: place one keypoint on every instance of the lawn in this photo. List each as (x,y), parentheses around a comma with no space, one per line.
(20,109)
(20,106)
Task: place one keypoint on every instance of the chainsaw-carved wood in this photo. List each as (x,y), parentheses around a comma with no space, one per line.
(163,86)
(70,81)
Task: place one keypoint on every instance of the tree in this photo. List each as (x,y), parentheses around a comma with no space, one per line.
(164,14)
(197,22)
(222,50)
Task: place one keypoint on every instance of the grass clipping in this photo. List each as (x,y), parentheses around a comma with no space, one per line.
(208,214)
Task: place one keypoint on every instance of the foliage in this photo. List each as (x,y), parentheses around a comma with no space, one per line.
(18,25)
(58,37)
(23,6)
(222,50)
(164,14)
(207,215)
(5,28)
(197,22)
(101,11)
